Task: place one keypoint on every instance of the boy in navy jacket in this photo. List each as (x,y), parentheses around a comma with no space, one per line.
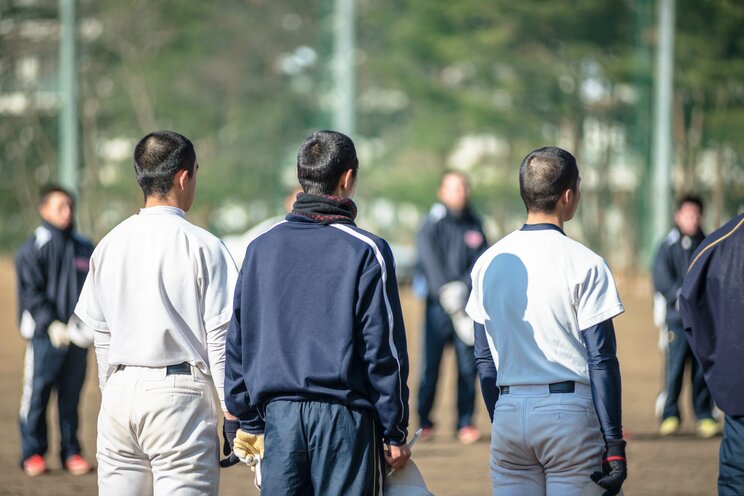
(317,364)
(51,267)
(669,269)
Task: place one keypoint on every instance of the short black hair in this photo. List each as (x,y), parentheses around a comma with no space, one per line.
(48,190)
(157,158)
(544,175)
(690,198)
(322,159)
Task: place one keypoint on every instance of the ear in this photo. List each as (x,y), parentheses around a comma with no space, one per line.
(568,196)
(346,182)
(180,179)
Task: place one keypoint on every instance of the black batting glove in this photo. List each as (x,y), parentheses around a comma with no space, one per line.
(614,468)
(229,431)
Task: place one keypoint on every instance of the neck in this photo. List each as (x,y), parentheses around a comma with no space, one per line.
(690,234)
(57,228)
(543,218)
(454,210)
(340,193)
(166,201)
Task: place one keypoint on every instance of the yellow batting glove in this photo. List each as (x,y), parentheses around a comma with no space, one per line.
(248,446)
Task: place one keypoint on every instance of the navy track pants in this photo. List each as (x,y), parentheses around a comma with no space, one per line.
(48,368)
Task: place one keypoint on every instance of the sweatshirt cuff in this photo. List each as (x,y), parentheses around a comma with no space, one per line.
(250,428)
(615,448)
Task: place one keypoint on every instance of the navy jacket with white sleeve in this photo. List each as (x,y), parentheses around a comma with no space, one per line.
(51,268)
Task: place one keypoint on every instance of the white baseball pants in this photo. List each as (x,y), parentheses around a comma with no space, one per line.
(157,434)
(545,444)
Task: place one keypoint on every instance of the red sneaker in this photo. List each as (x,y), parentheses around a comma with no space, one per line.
(426,434)
(468,434)
(77,465)
(34,465)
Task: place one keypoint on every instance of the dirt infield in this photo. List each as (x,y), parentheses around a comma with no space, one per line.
(683,465)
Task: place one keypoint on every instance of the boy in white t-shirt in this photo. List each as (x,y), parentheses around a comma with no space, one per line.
(159,297)
(543,306)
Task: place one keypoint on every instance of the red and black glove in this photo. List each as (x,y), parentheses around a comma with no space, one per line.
(614,468)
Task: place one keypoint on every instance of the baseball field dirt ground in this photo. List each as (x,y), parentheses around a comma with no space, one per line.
(682,465)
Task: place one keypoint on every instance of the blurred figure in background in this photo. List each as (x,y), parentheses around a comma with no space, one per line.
(51,268)
(448,244)
(670,266)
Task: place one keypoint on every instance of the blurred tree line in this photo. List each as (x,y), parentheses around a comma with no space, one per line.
(469,84)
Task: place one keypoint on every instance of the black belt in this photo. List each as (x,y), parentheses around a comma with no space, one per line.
(178,369)
(556,387)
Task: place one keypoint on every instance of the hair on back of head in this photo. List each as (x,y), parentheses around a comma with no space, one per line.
(322,159)
(48,190)
(544,175)
(157,158)
(690,198)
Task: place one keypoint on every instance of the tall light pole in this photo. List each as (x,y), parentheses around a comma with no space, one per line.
(344,67)
(68,117)
(662,136)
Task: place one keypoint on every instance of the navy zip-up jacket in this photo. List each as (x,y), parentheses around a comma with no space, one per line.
(448,244)
(670,267)
(712,302)
(51,268)
(317,317)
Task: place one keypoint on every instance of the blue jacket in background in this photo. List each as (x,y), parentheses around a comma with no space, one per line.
(51,268)
(669,269)
(448,244)
(712,306)
(317,317)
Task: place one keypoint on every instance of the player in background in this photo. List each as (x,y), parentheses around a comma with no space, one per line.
(669,269)
(159,296)
(543,306)
(448,244)
(316,351)
(51,268)
(711,302)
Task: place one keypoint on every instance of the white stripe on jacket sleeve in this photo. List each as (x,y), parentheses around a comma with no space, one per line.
(393,348)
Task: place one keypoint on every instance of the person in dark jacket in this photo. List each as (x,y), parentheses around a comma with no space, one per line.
(670,266)
(448,244)
(51,269)
(711,302)
(316,360)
